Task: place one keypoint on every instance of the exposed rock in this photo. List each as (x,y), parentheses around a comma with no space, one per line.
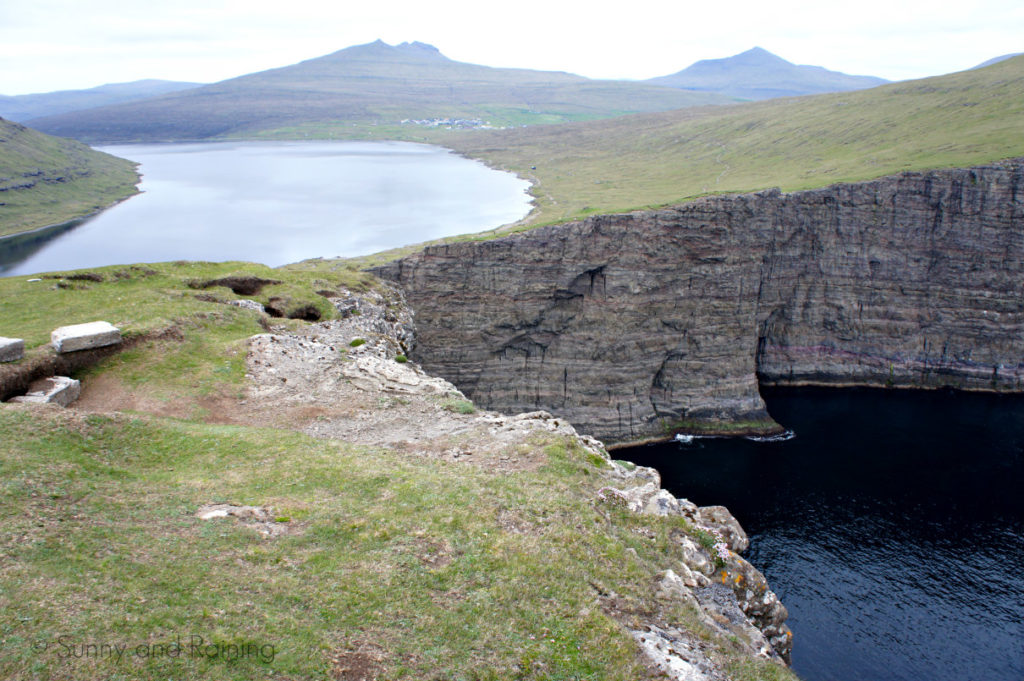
(258,518)
(672,585)
(340,379)
(84,336)
(728,527)
(678,655)
(631,325)
(248,305)
(693,556)
(757,601)
(721,612)
(742,604)
(54,390)
(11,349)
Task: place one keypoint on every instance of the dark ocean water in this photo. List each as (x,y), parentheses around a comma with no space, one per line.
(891,526)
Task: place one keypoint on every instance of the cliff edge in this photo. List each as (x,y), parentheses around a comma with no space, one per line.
(636,325)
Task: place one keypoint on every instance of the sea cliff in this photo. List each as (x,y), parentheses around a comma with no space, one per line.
(634,325)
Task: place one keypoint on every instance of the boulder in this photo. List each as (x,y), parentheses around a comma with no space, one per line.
(85,336)
(11,349)
(719,518)
(248,305)
(56,389)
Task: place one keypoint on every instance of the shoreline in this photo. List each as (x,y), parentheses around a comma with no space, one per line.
(68,223)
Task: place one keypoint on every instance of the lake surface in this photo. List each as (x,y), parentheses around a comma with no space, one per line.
(891,526)
(277,203)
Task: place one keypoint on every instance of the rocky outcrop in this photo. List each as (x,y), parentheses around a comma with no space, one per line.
(730,596)
(634,325)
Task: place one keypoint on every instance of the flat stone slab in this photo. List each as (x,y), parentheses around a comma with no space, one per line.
(11,349)
(56,389)
(85,336)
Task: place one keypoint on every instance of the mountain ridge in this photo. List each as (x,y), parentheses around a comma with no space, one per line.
(22,108)
(364,86)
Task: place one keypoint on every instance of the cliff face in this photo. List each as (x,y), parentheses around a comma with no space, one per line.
(630,324)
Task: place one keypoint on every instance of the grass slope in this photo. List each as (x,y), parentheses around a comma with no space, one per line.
(47,180)
(656,159)
(389,565)
(350,92)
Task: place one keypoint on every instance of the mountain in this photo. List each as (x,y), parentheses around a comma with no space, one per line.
(21,108)
(361,87)
(957,120)
(759,74)
(47,180)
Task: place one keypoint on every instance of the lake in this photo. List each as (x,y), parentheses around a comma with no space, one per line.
(891,526)
(277,203)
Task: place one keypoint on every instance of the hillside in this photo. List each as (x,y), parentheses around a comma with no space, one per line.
(47,180)
(311,506)
(365,86)
(759,74)
(21,108)
(961,119)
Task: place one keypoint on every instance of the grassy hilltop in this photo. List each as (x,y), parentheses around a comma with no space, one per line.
(655,159)
(47,180)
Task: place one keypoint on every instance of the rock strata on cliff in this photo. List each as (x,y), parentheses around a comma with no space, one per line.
(636,324)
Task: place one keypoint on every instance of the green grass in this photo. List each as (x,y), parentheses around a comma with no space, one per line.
(192,343)
(47,180)
(419,569)
(459,406)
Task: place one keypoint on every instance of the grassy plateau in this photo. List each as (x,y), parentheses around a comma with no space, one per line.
(649,160)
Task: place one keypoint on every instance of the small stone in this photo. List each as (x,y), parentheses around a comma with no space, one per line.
(85,336)
(56,390)
(248,305)
(11,349)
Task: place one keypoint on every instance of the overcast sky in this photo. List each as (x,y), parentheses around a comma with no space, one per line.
(48,45)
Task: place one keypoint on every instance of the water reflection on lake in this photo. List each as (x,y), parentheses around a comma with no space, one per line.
(279,202)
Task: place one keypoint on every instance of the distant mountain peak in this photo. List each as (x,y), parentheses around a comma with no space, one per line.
(380,49)
(758,52)
(417,45)
(759,74)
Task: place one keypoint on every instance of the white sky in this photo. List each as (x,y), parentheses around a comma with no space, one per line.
(48,45)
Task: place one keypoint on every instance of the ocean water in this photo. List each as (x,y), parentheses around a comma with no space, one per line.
(891,526)
(277,203)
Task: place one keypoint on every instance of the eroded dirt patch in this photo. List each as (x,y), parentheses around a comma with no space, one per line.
(240,285)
